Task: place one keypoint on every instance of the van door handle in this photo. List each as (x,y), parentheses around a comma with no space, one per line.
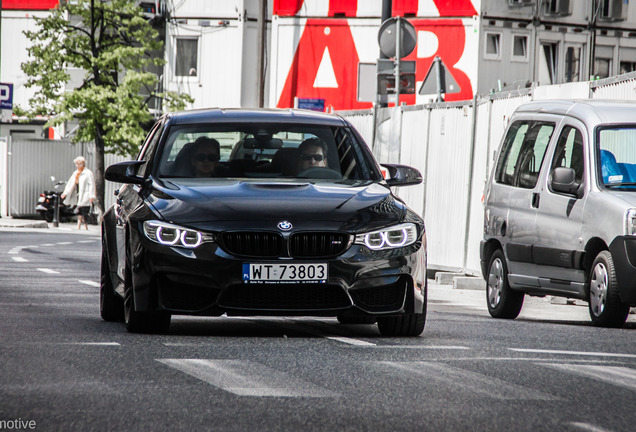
(535,199)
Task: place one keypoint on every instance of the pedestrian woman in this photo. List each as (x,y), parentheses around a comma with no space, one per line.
(80,191)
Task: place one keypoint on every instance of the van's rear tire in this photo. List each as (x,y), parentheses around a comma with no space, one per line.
(605,306)
(501,300)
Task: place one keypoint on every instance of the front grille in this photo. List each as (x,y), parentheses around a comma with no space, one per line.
(318,244)
(284,297)
(272,244)
(255,244)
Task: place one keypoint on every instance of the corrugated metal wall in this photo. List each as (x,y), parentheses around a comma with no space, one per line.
(32,162)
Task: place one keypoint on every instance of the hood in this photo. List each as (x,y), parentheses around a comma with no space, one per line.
(628,198)
(330,205)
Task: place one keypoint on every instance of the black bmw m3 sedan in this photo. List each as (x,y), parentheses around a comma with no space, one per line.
(261,212)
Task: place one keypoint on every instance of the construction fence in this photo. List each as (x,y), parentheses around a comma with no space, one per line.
(453,145)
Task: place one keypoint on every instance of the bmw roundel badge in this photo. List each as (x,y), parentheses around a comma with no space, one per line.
(284,225)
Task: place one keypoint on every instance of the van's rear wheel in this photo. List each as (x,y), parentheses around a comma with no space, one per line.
(502,301)
(606,308)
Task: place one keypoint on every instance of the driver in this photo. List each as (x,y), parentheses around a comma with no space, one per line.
(312,153)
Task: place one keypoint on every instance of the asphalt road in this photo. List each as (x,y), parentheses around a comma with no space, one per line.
(64,369)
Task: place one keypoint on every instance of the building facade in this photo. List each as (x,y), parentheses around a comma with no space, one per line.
(317,50)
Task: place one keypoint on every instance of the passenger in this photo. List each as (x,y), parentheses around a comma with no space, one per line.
(206,153)
(312,153)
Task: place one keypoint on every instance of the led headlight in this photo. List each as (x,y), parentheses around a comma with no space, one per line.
(389,238)
(173,235)
(630,222)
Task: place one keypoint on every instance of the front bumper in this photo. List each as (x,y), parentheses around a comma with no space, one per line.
(208,281)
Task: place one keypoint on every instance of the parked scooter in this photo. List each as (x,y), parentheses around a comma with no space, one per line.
(47,202)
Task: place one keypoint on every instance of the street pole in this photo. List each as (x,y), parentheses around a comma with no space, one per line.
(387,12)
(262,35)
(398,55)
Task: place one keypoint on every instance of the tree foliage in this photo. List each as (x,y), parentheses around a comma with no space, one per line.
(112,43)
(114,46)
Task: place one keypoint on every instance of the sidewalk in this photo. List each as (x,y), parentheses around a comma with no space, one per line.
(17,223)
(444,297)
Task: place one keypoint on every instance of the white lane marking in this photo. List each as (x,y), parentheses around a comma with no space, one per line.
(47,244)
(86,241)
(575,353)
(49,271)
(467,381)
(64,243)
(350,341)
(93,343)
(88,282)
(246,378)
(19,259)
(620,376)
(588,427)
(431,347)
(18,249)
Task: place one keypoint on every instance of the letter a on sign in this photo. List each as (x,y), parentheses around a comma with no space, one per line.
(325,66)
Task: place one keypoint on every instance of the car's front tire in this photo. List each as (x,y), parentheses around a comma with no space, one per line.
(605,306)
(411,324)
(111,306)
(141,322)
(502,301)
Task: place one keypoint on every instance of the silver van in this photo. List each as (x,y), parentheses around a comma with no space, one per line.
(560,209)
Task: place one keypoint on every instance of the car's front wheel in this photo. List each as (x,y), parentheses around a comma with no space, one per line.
(605,306)
(502,301)
(111,306)
(410,324)
(141,322)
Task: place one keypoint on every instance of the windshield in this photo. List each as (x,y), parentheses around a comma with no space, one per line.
(617,155)
(265,151)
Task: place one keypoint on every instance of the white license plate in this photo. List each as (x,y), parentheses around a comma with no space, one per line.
(284,273)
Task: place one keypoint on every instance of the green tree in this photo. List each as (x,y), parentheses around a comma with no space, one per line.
(115,46)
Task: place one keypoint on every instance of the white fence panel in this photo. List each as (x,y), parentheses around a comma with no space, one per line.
(447,186)
(414,149)
(363,122)
(624,89)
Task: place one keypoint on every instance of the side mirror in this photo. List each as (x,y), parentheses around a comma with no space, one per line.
(562,180)
(402,175)
(125,172)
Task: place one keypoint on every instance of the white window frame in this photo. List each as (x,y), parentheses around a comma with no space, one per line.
(517,58)
(196,77)
(499,36)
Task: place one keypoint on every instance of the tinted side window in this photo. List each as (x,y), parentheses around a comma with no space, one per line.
(523,153)
(569,151)
(149,148)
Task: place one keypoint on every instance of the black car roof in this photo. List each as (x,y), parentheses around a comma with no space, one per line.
(256,115)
